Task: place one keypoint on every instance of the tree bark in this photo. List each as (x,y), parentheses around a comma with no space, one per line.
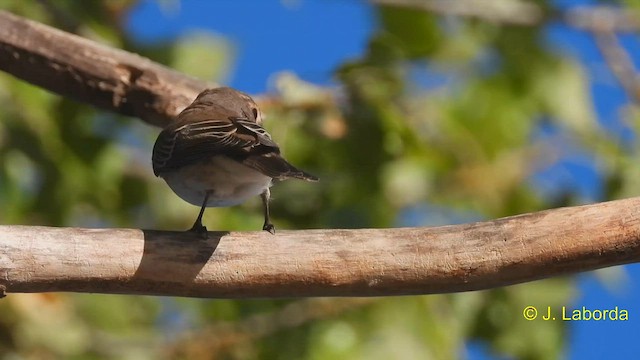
(96,74)
(362,262)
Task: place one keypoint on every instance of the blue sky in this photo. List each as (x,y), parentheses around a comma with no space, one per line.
(312,37)
(308,37)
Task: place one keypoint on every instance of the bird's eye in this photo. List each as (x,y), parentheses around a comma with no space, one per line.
(255,113)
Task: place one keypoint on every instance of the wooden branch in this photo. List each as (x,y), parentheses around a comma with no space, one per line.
(594,18)
(526,13)
(132,85)
(222,337)
(499,11)
(96,74)
(364,262)
(620,63)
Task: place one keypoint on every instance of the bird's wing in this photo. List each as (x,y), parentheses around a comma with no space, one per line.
(237,138)
(191,142)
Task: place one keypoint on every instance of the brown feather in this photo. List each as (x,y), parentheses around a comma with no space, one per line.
(221,121)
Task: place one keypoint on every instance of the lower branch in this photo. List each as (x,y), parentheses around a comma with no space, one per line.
(363,262)
(222,337)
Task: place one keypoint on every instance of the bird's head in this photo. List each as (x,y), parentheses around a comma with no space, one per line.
(233,101)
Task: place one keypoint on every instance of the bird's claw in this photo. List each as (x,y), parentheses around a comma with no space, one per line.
(270,228)
(200,230)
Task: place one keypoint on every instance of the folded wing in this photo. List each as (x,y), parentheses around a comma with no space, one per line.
(237,138)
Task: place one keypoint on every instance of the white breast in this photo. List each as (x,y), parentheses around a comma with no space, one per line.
(229,182)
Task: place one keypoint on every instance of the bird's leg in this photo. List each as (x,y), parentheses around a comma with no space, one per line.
(197,226)
(268,226)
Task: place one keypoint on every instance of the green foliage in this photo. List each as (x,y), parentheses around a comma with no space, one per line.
(468,144)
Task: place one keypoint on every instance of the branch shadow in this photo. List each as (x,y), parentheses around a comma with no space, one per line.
(171,260)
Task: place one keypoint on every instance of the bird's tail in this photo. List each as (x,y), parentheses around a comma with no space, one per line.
(277,167)
(300,174)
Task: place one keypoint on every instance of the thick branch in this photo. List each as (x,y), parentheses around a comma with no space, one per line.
(129,84)
(365,262)
(86,71)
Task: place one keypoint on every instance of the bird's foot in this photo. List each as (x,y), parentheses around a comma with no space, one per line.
(200,230)
(269,227)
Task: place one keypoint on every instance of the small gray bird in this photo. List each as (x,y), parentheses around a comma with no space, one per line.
(217,154)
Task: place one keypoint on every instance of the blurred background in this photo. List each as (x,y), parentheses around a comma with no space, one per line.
(413,113)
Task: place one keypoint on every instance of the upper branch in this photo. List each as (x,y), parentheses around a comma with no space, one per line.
(499,11)
(364,262)
(86,71)
(525,13)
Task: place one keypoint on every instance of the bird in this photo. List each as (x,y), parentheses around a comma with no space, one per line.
(216,154)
